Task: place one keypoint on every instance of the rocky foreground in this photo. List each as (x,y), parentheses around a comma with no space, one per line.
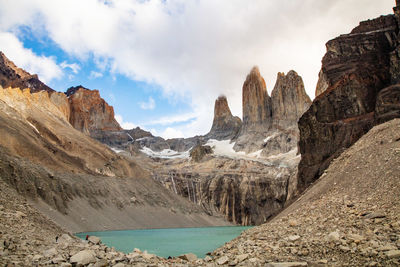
(350,217)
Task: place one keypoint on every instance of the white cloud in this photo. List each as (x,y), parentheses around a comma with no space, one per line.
(95,74)
(195,49)
(172,119)
(150,104)
(172,133)
(124,124)
(73,66)
(45,67)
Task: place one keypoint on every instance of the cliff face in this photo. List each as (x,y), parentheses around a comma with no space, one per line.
(354,94)
(270,123)
(12,76)
(289,99)
(256,102)
(89,112)
(225,126)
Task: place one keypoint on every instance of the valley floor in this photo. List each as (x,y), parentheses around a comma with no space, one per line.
(349,217)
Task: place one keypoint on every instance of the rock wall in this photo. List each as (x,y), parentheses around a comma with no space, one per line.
(89,112)
(289,100)
(355,94)
(270,123)
(244,192)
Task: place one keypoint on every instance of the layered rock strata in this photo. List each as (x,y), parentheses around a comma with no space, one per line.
(357,93)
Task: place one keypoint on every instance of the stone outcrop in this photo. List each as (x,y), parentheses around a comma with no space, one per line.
(270,123)
(256,102)
(89,112)
(358,70)
(12,76)
(289,100)
(225,125)
(199,152)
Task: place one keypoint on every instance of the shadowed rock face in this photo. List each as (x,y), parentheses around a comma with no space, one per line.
(12,76)
(225,126)
(353,94)
(289,99)
(89,112)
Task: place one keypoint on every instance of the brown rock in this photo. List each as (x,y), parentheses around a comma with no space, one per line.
(256,101)
(355,69)
(225,126)
(89,112)
(12,76)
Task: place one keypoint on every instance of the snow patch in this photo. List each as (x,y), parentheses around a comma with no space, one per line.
(165,154)
(116,150)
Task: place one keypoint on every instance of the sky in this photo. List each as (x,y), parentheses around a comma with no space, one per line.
(162,63)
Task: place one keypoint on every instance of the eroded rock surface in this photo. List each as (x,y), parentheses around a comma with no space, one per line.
(357,72)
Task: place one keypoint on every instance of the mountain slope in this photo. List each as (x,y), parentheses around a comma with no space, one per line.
(349,216)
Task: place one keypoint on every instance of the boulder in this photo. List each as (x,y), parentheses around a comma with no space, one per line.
(94,239)
(188,257)
(83,257)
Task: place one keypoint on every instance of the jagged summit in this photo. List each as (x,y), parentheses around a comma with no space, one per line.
(256,101)
(225,125)
(289,99)
(12,76)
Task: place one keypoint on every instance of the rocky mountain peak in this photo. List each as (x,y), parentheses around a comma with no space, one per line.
(89,112)
(225,125)
(289,99)
(256,101)
(12,76)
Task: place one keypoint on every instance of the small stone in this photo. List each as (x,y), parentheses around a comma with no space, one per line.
(188,257)
(242,257)
(207,259)
(287,264)
(393,254)
(120,264)
(101,263)
(294,237)
(36,258)
(293,223)
(374,215)
(222,260)
(148,256)
(57,259)
(333,236)
(387,248)
(344,248)
(50,252)
(66,264)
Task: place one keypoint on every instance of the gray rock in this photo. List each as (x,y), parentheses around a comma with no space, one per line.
(83,257)
(50,252)
(222,260)
(94,239)
(374,215)
(66,264)
(293,237)
(188,257)
(286,264)
(36,258)
(393,254)
(101,263)
(120,264)
(333,236)
(242,257)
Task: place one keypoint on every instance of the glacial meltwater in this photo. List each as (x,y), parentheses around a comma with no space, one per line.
(169,242)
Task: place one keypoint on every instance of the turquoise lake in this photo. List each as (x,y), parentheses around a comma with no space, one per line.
(169,242)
